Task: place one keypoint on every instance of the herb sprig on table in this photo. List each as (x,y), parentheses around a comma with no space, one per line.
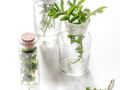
(110,86)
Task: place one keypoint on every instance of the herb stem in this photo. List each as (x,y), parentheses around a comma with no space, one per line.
(79,49)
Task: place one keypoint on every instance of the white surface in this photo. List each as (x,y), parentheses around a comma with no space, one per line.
(16,17)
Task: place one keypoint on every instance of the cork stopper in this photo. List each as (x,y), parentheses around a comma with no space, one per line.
(28,40)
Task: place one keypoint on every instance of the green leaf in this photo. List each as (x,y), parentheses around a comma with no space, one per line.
(74,18)
(80,2)
(98,10)
(59,14)
(86,11)
(72,38)
(69,3)
(51,13)
(62,4)
(83,17)
(79,49)
(56,5)
(64,18)
(70,10)
(80,9)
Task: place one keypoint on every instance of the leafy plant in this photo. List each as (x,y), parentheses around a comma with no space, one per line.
(75,13)
(46,21)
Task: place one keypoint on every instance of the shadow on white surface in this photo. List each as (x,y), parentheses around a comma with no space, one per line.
(75,83)
(52,78)
(49,55)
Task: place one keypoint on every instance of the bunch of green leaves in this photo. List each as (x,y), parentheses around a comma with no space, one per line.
(29,64)
(75,13)
(46,21)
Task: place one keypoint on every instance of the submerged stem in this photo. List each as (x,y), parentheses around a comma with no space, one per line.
(77,39)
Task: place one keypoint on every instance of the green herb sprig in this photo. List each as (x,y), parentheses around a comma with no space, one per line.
(79,49)
(46,21)
(110,86)
(29,64)
(75,13)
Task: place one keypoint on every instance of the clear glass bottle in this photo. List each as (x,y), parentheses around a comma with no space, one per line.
(75,44)
(28,60)
(46,28)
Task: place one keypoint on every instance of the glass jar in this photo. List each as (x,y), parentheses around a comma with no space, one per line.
(75,44)
(28,60)
(46,28)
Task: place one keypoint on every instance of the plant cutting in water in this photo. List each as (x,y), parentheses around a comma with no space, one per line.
(78,40)
(75,14)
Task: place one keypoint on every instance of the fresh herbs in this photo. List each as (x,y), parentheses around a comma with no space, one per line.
(75,13)
(46,21)
(29,64)
(77,40)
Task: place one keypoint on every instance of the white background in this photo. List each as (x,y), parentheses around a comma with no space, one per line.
(16,17)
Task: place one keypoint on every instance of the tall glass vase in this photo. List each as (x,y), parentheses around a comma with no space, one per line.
(75,44)
(46,28)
